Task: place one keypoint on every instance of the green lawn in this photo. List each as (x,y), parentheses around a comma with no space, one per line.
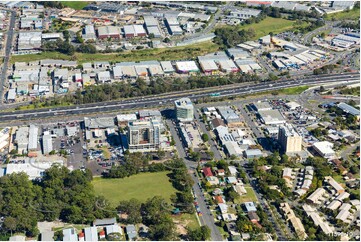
(293,90)
(174,53)
(250,196)
(190,220)
(141,186)
(269,24)
(353,14)
(77,5)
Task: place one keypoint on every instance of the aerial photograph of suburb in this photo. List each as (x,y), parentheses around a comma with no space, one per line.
(175,120)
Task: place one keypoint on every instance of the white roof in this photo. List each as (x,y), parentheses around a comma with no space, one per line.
(292,105)
(33,169)
(334,205)
(126,117)
(33,137)
(232,170)
(187,66)
(91,234)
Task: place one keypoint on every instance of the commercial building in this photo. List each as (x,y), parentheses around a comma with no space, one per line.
(185,67)
(105,32)
(91,234)
(289,139)
(208,66)
(349,109)
(131,31)
(143,135)
(29,40)
(89,33)
(272,117)
(233,149)
(244,13)
(70,235)
(252,153)
(230,117)
(184,110)
(47,144)
(33,138)
(22,139)
(32,168)
(262,106)
(172,24)
(167,67)
(324,149)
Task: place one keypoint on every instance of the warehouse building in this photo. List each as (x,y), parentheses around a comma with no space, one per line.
(47,144)
(33,138)
(262,106)
(29,40)
(252,153)
(167,67)
(89,33)
(185,67)
(237,53)
(131,31)
(349,109)
(244,13)
(227,66)
(208,66)
(272,117)
(105,32)
(324,149)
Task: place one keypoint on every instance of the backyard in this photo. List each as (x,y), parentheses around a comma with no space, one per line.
(141,186)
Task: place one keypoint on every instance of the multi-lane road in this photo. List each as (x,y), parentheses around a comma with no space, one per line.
(8,45)
(168,99)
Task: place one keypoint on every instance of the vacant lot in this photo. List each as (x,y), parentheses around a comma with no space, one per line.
(250,196)
(141,186)
(174,53)
(274,25)
(353,14)
(77,5)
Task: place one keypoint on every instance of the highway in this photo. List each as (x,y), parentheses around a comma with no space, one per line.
(9,42)
(146,102)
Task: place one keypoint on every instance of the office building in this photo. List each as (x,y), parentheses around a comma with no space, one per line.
(289,139)
(144,135)
(184,109)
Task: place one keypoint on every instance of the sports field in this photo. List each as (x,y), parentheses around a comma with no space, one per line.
(141,186)
(274,25)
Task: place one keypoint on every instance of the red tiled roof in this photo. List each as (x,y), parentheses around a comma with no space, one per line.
(218,199)
(207,171)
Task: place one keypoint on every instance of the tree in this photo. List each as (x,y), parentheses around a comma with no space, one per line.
(10,224)
(202,233)
(132,209)
(205,137)
(322,89)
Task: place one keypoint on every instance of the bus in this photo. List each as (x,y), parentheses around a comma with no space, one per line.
(215,94)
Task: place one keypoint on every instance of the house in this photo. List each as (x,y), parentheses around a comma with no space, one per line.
(114,228)
(131,232)
(231,180)
(250,207)
(253,217)
(220,172)
(232,170)
(207,171)
(219,199)
(213,180)
(223,207)
(217,191)
(227,217)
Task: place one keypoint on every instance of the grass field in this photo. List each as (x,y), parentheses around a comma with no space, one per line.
(141,186)
(174,53)
(293,90)
(190,220)
(77,5)
(353,14)
(269,24)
